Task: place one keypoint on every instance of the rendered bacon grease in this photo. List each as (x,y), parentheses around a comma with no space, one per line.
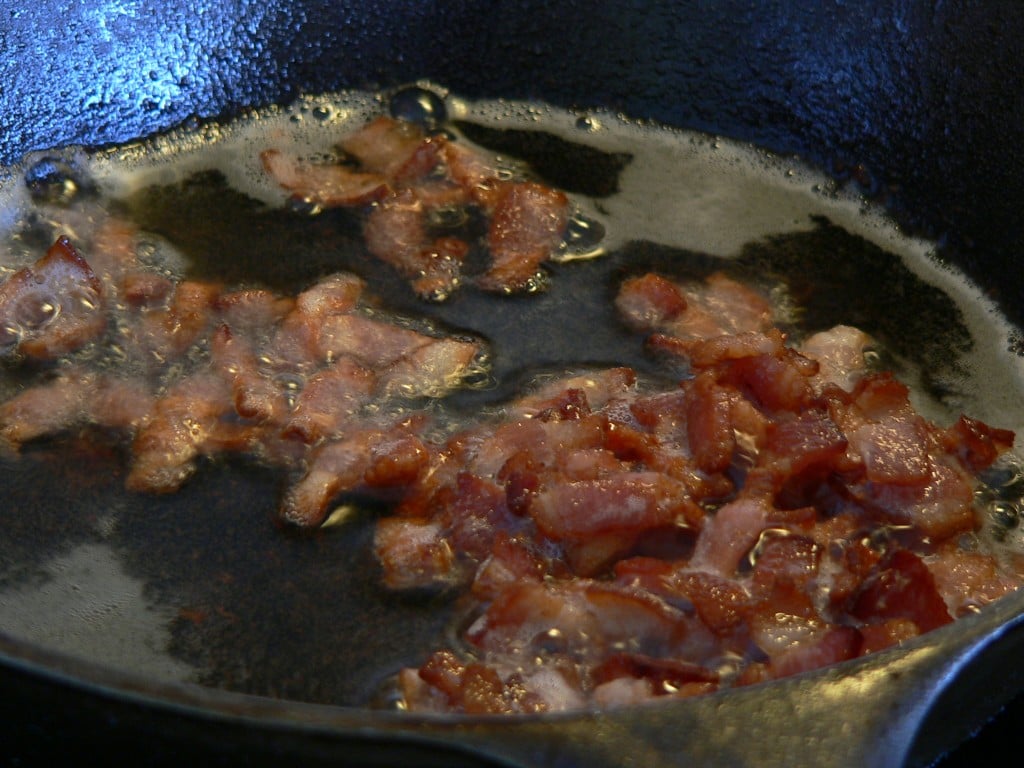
(770,503)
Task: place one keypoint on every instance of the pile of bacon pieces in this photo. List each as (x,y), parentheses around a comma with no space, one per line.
(185,369)
(407,179)
(780,510)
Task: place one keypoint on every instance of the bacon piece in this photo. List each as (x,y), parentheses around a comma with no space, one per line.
(46,409)
(808,442)
(624,504)
(597,387)
(76,396)
(649,301)
(474,513)
(719,306)
(374,343)
(976,444)
(849,558)
(335,294)
(839,352)
(364,460)
(903,588)
(796,644)
(145,290)
(877,637)
(430,370)
(184,419)
(297,338)
(967,580)
(114,256)
(785,572)
(440,270)
(938,508)
(410,363)
(122,404)
(723,604)
(556,689)
(665,676)
(893,451)
(394,148)
(330,186)
(585,618)
(475,174)
(542,441)
(53,307)
(830,646)
(652,574)
(733,306)
(774,382)
(705,353)
(622,692)
(477,688)
(728,535)
(255,396)
(257,309)
(329,400)
(414,553)
(527,226)
(510,560)
(160,335)
(396,233)
(709,430)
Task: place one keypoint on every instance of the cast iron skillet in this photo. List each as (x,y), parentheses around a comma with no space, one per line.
(919,102)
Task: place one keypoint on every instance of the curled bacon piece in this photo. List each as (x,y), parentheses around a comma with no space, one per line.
(53,307)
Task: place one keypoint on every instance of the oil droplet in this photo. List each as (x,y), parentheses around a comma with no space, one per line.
(322,113)
(52,180)
(583,238)
(420,106)
(36,310)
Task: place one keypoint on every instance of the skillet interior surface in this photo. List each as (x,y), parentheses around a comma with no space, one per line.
(904,99)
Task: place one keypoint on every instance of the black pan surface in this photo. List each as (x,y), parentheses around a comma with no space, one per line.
(915,102)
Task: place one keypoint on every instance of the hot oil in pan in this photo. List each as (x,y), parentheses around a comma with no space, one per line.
(242,604)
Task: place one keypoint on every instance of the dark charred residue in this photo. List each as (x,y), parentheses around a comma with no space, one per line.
(573,167)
